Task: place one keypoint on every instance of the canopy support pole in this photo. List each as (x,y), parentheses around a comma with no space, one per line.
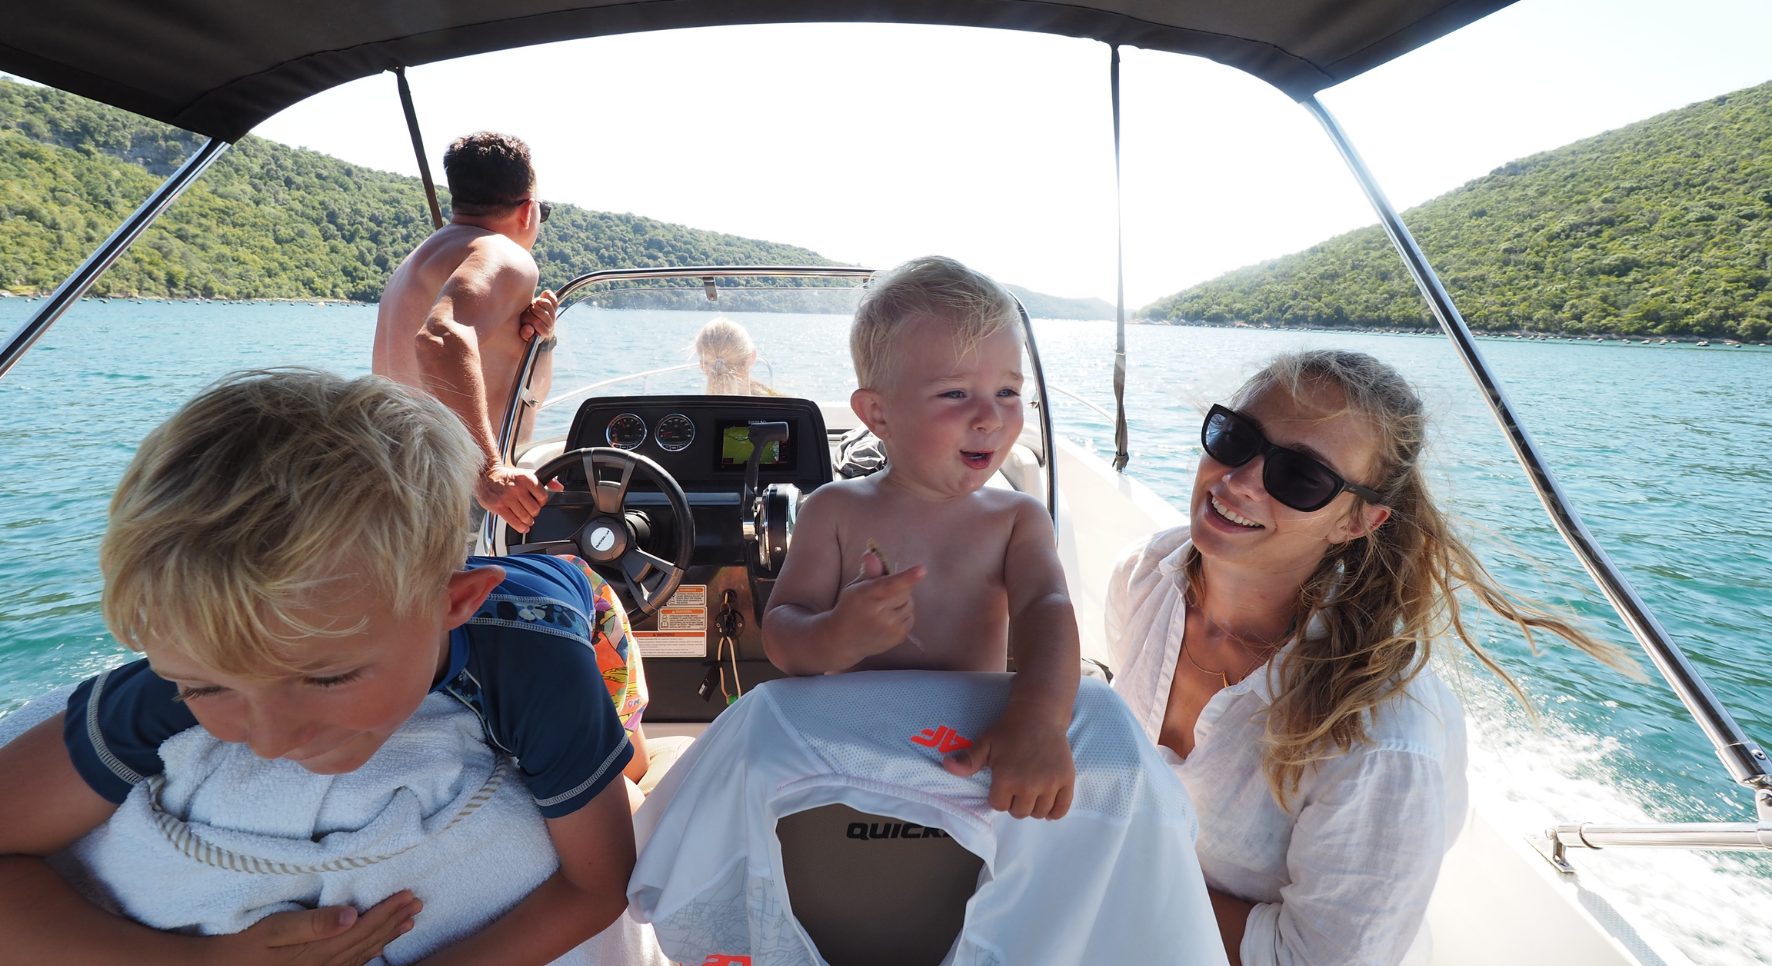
(1121,454)
(1745,760)
(77,284)
(418,146)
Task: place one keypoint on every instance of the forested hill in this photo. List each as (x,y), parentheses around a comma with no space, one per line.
(267,220)
(1057,307)
(1662,227)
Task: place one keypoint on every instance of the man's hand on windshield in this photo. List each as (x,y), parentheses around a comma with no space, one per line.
(538,319)
(512,493)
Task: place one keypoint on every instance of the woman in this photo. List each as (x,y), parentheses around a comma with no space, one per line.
(1276,649)
(726,354)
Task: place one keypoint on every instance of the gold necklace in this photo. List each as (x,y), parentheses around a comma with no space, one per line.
(1224,677)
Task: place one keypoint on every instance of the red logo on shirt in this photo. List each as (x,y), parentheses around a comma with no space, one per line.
(721,959)
(943,739)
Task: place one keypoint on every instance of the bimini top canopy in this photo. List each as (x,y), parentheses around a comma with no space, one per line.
(219,67)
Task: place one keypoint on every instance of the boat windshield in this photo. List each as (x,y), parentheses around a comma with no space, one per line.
(758,335)
(779,336)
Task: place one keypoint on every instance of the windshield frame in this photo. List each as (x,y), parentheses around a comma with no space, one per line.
(523,395)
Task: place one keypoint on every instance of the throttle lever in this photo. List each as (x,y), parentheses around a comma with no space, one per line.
(761,434)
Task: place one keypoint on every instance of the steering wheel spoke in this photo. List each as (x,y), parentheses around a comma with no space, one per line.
(609,496)
(637,589)
(636,556)
(546,546)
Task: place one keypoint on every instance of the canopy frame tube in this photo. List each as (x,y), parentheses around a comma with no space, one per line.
(1746,761)
(106,255)
(418,146)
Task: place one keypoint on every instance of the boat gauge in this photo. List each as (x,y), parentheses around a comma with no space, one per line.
(626,431)
(674,432)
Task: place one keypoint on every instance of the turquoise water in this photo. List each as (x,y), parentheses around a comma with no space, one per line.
(1663,448)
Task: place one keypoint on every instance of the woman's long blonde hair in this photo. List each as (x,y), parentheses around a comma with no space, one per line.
(1381,600)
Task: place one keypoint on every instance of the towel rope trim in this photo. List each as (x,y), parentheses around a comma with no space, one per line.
(189,843)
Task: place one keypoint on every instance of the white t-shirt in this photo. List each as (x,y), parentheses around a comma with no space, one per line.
(1346,876)
(1115,881)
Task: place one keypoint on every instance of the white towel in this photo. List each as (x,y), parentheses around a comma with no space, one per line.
(1114,881)
(224,838)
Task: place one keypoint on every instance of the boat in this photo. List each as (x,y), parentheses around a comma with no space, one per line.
(1702,342)
(700,491)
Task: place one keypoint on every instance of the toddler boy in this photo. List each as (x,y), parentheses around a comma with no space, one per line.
(937,349)
(287,551)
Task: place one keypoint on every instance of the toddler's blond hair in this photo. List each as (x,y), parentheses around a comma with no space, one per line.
(933,287)
(276,490)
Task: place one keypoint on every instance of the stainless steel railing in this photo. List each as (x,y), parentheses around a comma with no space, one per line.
(1746,761)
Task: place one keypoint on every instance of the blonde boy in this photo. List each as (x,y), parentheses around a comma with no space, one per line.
(937,351)
(287,552)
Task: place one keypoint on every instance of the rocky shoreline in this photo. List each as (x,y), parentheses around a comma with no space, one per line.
(1496,334)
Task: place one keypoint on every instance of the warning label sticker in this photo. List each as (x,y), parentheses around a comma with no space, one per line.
(682,625)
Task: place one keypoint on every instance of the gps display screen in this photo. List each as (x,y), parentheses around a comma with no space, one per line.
(735,448)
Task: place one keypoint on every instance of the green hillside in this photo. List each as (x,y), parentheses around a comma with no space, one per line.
(1662,227)
(267,221)
(1056,307)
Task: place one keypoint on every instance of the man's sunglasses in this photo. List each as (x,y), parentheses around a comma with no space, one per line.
(547,208)
(1299,481)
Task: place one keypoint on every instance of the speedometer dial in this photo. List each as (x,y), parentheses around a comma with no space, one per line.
(626,431)
(675,432)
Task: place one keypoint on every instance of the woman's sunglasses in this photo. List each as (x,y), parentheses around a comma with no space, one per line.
(1299,481)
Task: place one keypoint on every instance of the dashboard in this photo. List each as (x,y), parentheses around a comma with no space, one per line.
(703,441)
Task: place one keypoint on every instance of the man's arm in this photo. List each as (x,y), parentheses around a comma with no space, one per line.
(486,291)
(48,807)
(1030,759)
(818,620)
(596,846)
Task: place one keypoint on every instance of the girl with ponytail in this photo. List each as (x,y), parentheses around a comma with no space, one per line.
(1277,650)
(726,354)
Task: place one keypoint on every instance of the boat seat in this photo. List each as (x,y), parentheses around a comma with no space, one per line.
(872,890)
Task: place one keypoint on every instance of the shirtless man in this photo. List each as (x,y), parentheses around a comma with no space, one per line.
(937,351)
(459,312)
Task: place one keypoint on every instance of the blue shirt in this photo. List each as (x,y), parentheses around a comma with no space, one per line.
(524,663)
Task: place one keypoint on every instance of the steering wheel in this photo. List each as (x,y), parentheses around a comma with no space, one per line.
(620,534)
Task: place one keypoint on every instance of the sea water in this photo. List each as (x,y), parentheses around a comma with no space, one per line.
(1663,449)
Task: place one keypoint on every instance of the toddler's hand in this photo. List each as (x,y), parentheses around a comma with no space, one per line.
(875,612)
(1032,773)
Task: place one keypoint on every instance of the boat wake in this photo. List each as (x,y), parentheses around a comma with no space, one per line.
(1711,906)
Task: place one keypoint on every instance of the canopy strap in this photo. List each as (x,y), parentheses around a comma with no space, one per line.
(418,147)
(1121,456)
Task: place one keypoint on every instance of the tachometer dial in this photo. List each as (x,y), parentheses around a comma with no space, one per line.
(675,432)
(626,431)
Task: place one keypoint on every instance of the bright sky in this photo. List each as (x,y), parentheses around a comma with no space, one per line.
(877,143)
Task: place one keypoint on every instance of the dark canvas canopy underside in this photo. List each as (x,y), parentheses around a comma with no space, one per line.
(219,67)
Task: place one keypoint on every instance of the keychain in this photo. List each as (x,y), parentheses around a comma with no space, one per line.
(729,622)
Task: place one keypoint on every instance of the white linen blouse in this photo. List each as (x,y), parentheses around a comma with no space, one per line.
(1345,877)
